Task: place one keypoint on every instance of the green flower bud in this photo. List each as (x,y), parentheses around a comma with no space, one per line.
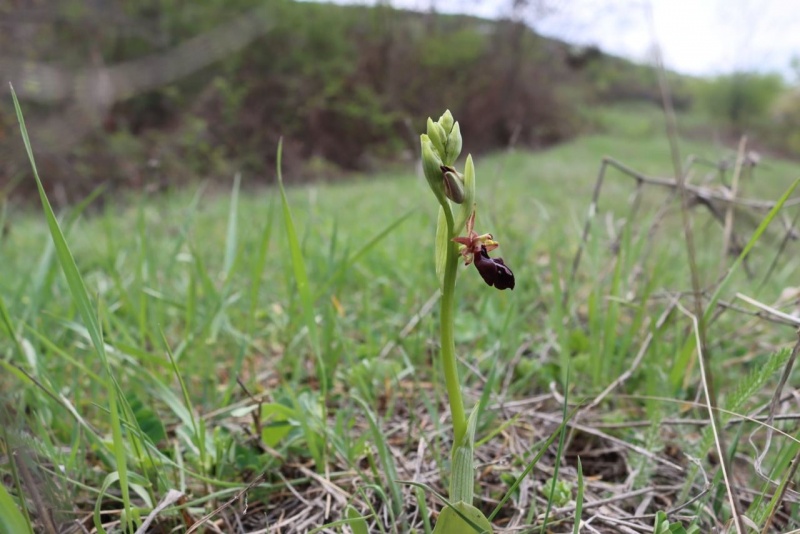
(446,120)
(437,136)
(453,146)
(432,167)
(453,184)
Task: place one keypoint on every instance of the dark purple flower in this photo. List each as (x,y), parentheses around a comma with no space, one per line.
(494,270)
(475,249)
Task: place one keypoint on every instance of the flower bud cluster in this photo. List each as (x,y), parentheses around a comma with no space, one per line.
(441,146)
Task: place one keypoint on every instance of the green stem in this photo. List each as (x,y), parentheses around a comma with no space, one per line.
(448,337)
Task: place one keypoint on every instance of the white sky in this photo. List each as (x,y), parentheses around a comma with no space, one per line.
(701,37)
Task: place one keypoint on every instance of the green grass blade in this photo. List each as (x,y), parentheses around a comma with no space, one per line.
(81,298)
(576,529)
(559,454)
(301,276)
(422,504)
(41,277)
(231,234)
(387,462)
(201,441)
(787,477)
(712,303)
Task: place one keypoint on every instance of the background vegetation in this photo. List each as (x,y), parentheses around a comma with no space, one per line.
(281,371)
(345,87)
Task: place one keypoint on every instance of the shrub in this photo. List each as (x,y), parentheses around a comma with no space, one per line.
(742,99)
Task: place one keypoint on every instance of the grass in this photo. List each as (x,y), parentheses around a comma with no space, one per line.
(201,340)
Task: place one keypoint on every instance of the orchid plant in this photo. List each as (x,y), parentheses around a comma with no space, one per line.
(455,192)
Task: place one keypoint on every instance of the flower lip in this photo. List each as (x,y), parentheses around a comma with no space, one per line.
(494,271)
(475,249)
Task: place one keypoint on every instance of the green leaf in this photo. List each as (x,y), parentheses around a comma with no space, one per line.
(357,522)
(462,518)
(558,492)
(663,526)
(661,523)
(462,480)
(277,423)
(148,420)
(11,519)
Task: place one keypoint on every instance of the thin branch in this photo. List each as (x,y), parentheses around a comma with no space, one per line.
(787,319)
(728,225)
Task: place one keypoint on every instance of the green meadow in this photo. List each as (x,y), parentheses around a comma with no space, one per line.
(279,367)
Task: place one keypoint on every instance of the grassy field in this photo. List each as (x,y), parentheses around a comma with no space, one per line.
(310,377)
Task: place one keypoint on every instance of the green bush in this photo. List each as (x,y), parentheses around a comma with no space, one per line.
(742,99)
(786,114)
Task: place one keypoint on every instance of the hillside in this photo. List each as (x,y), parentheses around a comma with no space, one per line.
(168,94)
